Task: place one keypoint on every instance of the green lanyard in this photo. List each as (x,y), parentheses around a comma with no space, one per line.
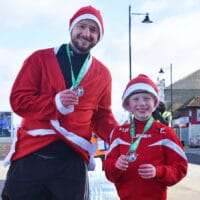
(134,145)
(76,82)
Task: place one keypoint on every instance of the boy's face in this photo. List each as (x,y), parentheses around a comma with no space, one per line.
(141,105)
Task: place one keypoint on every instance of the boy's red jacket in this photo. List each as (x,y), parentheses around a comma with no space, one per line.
(159,146)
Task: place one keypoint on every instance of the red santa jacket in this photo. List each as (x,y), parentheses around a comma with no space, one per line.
(159,146)
(35,97)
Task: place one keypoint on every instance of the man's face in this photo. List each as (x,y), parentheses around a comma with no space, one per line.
(84,36)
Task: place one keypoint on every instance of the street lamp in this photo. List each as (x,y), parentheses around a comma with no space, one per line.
(146,20)
(171,95)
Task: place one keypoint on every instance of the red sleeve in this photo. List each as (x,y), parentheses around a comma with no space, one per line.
(112,173)
(103,120)
(175,166)
(33,94)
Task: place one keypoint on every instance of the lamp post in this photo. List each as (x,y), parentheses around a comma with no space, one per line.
(171,89)
(146,20)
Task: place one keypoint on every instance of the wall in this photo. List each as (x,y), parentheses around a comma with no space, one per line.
(4,147)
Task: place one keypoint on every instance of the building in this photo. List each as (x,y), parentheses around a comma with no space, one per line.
(185,96)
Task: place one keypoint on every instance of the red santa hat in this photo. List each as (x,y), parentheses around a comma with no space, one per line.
(141,83)
(87,12)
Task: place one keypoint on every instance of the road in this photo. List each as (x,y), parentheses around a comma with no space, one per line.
(193,155)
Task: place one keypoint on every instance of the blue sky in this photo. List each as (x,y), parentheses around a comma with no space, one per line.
(173,38)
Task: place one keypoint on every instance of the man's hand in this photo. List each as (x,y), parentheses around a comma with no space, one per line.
(68,97)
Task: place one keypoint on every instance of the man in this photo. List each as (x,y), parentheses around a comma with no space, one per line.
(63,95)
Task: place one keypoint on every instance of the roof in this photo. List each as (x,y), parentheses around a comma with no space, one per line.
(193,102)
(185,93)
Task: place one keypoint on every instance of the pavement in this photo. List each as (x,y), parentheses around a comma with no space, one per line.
(187,189)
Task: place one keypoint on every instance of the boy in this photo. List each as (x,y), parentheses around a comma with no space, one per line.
(145,156)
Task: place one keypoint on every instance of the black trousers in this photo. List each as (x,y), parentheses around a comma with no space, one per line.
(36,177)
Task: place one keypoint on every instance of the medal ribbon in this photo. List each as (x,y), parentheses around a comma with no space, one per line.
(134,145)
(76,82)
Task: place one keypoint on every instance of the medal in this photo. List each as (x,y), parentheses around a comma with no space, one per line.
(76,81)
(131,156)
(80,91)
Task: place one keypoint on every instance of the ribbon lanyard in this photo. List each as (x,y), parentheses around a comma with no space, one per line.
(134,145)
(76,82)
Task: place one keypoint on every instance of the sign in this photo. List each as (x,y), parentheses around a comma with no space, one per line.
(181,122)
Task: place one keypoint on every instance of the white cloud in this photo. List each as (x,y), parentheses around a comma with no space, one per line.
(172,38)
(19,13)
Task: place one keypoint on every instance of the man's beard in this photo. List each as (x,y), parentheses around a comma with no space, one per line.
(81,49)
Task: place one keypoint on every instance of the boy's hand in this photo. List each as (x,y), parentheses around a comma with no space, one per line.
(122,163)
(147,171)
